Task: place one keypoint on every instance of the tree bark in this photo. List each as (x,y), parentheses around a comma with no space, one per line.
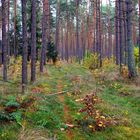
(8,38)
(139,32)
(24,45)
(66,42)
(4,39)
(116,32)
(15,19)
(57,25)
(120,34)
(131,60)
(44,34)
(77,31)
(33,41)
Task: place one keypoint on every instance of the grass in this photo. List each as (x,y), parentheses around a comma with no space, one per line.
(48,115)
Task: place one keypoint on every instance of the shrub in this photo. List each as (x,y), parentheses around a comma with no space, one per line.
(136,54)
(52,54)
(108,64)
(91,61)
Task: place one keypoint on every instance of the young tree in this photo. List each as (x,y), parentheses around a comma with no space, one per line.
(131,60)
(24,41)
(33,41)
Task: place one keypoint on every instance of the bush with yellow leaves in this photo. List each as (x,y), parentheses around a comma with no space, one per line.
(136,54)
(108,64)
(91,61)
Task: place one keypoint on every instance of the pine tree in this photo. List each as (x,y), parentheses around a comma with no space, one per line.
(77,30)
(57,25)
(139,32)
(24,45)
(33,41)
(131,60)
(44,34)
(4,39)
(15,23)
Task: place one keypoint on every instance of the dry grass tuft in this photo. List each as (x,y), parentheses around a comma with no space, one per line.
(33,134)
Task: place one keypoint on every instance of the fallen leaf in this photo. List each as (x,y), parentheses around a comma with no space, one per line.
(69,125)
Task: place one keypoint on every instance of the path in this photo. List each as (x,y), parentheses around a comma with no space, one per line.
(67,117)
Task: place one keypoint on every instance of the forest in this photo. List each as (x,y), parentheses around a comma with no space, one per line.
(69,69)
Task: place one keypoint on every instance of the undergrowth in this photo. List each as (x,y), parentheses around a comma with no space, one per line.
(113,112)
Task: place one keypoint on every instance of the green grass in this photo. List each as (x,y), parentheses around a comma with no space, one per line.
(48,112)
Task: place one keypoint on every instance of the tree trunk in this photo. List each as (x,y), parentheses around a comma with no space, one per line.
(8,38)
(125,33)
(109,31)
(4,39)
(33,41)
(66,42)
(0,52)
(24,45)
(77,31)
(116,32)
(100,36)
(57,25)
(44,34)
(15,19)
(139,32)
(120,34)
(131,60)
(98,32)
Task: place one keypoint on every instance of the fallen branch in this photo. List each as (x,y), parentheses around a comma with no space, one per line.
(59,93)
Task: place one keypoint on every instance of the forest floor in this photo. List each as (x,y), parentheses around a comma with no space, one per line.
(58,105)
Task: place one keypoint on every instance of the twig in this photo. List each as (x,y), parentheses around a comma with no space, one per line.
(58,93)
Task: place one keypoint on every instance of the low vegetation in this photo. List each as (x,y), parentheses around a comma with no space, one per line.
(69,101)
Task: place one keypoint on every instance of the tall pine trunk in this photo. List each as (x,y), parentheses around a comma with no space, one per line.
(8,37)
(125,33)
(33,41)
(24,43)
(15,22)
(77,31)
(44,34)
(66,42)
(120,34)
(57,25)
(139,32)
(4,39)
(131,60)
(117,32)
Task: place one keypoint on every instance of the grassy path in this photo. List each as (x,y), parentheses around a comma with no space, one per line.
(67,117)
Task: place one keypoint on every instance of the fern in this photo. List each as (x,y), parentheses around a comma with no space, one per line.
(4,117)
(17,116)
(12,102)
